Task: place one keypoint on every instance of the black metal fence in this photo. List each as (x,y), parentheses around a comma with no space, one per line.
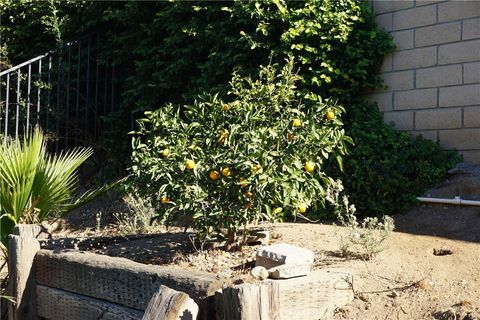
(67,92)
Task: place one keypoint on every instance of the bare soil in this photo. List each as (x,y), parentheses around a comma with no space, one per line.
(405,281)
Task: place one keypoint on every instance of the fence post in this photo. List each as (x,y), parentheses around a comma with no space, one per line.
(21,282)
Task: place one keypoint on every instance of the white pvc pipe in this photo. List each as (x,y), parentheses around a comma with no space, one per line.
(456,201)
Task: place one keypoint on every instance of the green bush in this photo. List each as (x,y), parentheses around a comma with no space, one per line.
(219,166)
(172,51)
(386,169)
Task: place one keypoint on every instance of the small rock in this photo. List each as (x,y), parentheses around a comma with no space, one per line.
(442,252)
(283,253)
(287,271)
(362,297)
(259,273)
(393,294)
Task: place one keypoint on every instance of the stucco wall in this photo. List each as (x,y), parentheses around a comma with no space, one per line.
(433,77)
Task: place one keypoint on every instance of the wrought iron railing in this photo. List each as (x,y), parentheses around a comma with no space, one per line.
(67,92)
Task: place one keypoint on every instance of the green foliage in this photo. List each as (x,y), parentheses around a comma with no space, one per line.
(172,51)
(218,166)
(31,27)
(35,185)
(387,168)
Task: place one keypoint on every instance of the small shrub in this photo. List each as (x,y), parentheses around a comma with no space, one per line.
(218,166)
(365,239)
(141,217)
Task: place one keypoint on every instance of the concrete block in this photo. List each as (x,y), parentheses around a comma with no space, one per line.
(415,17)
(403,39)
(427,134)
(471,156)
(471,29)
(459,95)
(415,58)
(387,64)
(283,253)
(420,3)
(438,119)
(471,72)
(461,139)
(464,51)
(415,99)
(471,117)
(456,10)
(438,34)
(403,120)
(288,271)
(439,76)
(382,6)
(400,80)
(383,100)
(384,21)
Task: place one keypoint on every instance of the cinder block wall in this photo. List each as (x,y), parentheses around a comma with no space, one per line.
(433,77)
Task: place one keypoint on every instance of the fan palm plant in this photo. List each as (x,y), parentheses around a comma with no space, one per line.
(35,185)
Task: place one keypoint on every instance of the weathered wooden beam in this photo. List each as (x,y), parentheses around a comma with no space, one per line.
(120,280)
(311,297)
(56,304)
(251,302)
(168,304)
(21,275)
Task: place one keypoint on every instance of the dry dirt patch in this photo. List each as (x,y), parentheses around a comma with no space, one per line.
(406,281)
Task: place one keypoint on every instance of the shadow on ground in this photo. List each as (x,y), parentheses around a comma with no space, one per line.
(161,249)
(447,221)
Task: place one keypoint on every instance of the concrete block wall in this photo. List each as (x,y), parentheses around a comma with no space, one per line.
(433,77)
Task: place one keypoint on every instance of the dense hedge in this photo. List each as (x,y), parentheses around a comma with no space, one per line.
(172,51)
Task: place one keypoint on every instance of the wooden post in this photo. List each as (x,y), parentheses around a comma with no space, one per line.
(168,304)
(250,302)
(27,230)
(21,276)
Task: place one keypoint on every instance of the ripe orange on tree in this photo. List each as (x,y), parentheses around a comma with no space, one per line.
(330,115)
(190,164)
(309,166)
(214,175)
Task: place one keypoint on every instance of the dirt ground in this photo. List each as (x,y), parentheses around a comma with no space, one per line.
(405,281)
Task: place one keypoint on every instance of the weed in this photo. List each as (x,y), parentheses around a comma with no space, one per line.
(364,239)
(140,218)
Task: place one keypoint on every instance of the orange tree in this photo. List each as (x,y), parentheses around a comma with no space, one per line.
(217,166)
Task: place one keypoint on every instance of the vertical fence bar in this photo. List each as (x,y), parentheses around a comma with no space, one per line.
(87,106)
(28,97)
(105,94)
(38,89)
(7,101)
(19,76)
(113,88)
(49,90)
(57,115)
(68,96)
(78,92)
(96,91)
